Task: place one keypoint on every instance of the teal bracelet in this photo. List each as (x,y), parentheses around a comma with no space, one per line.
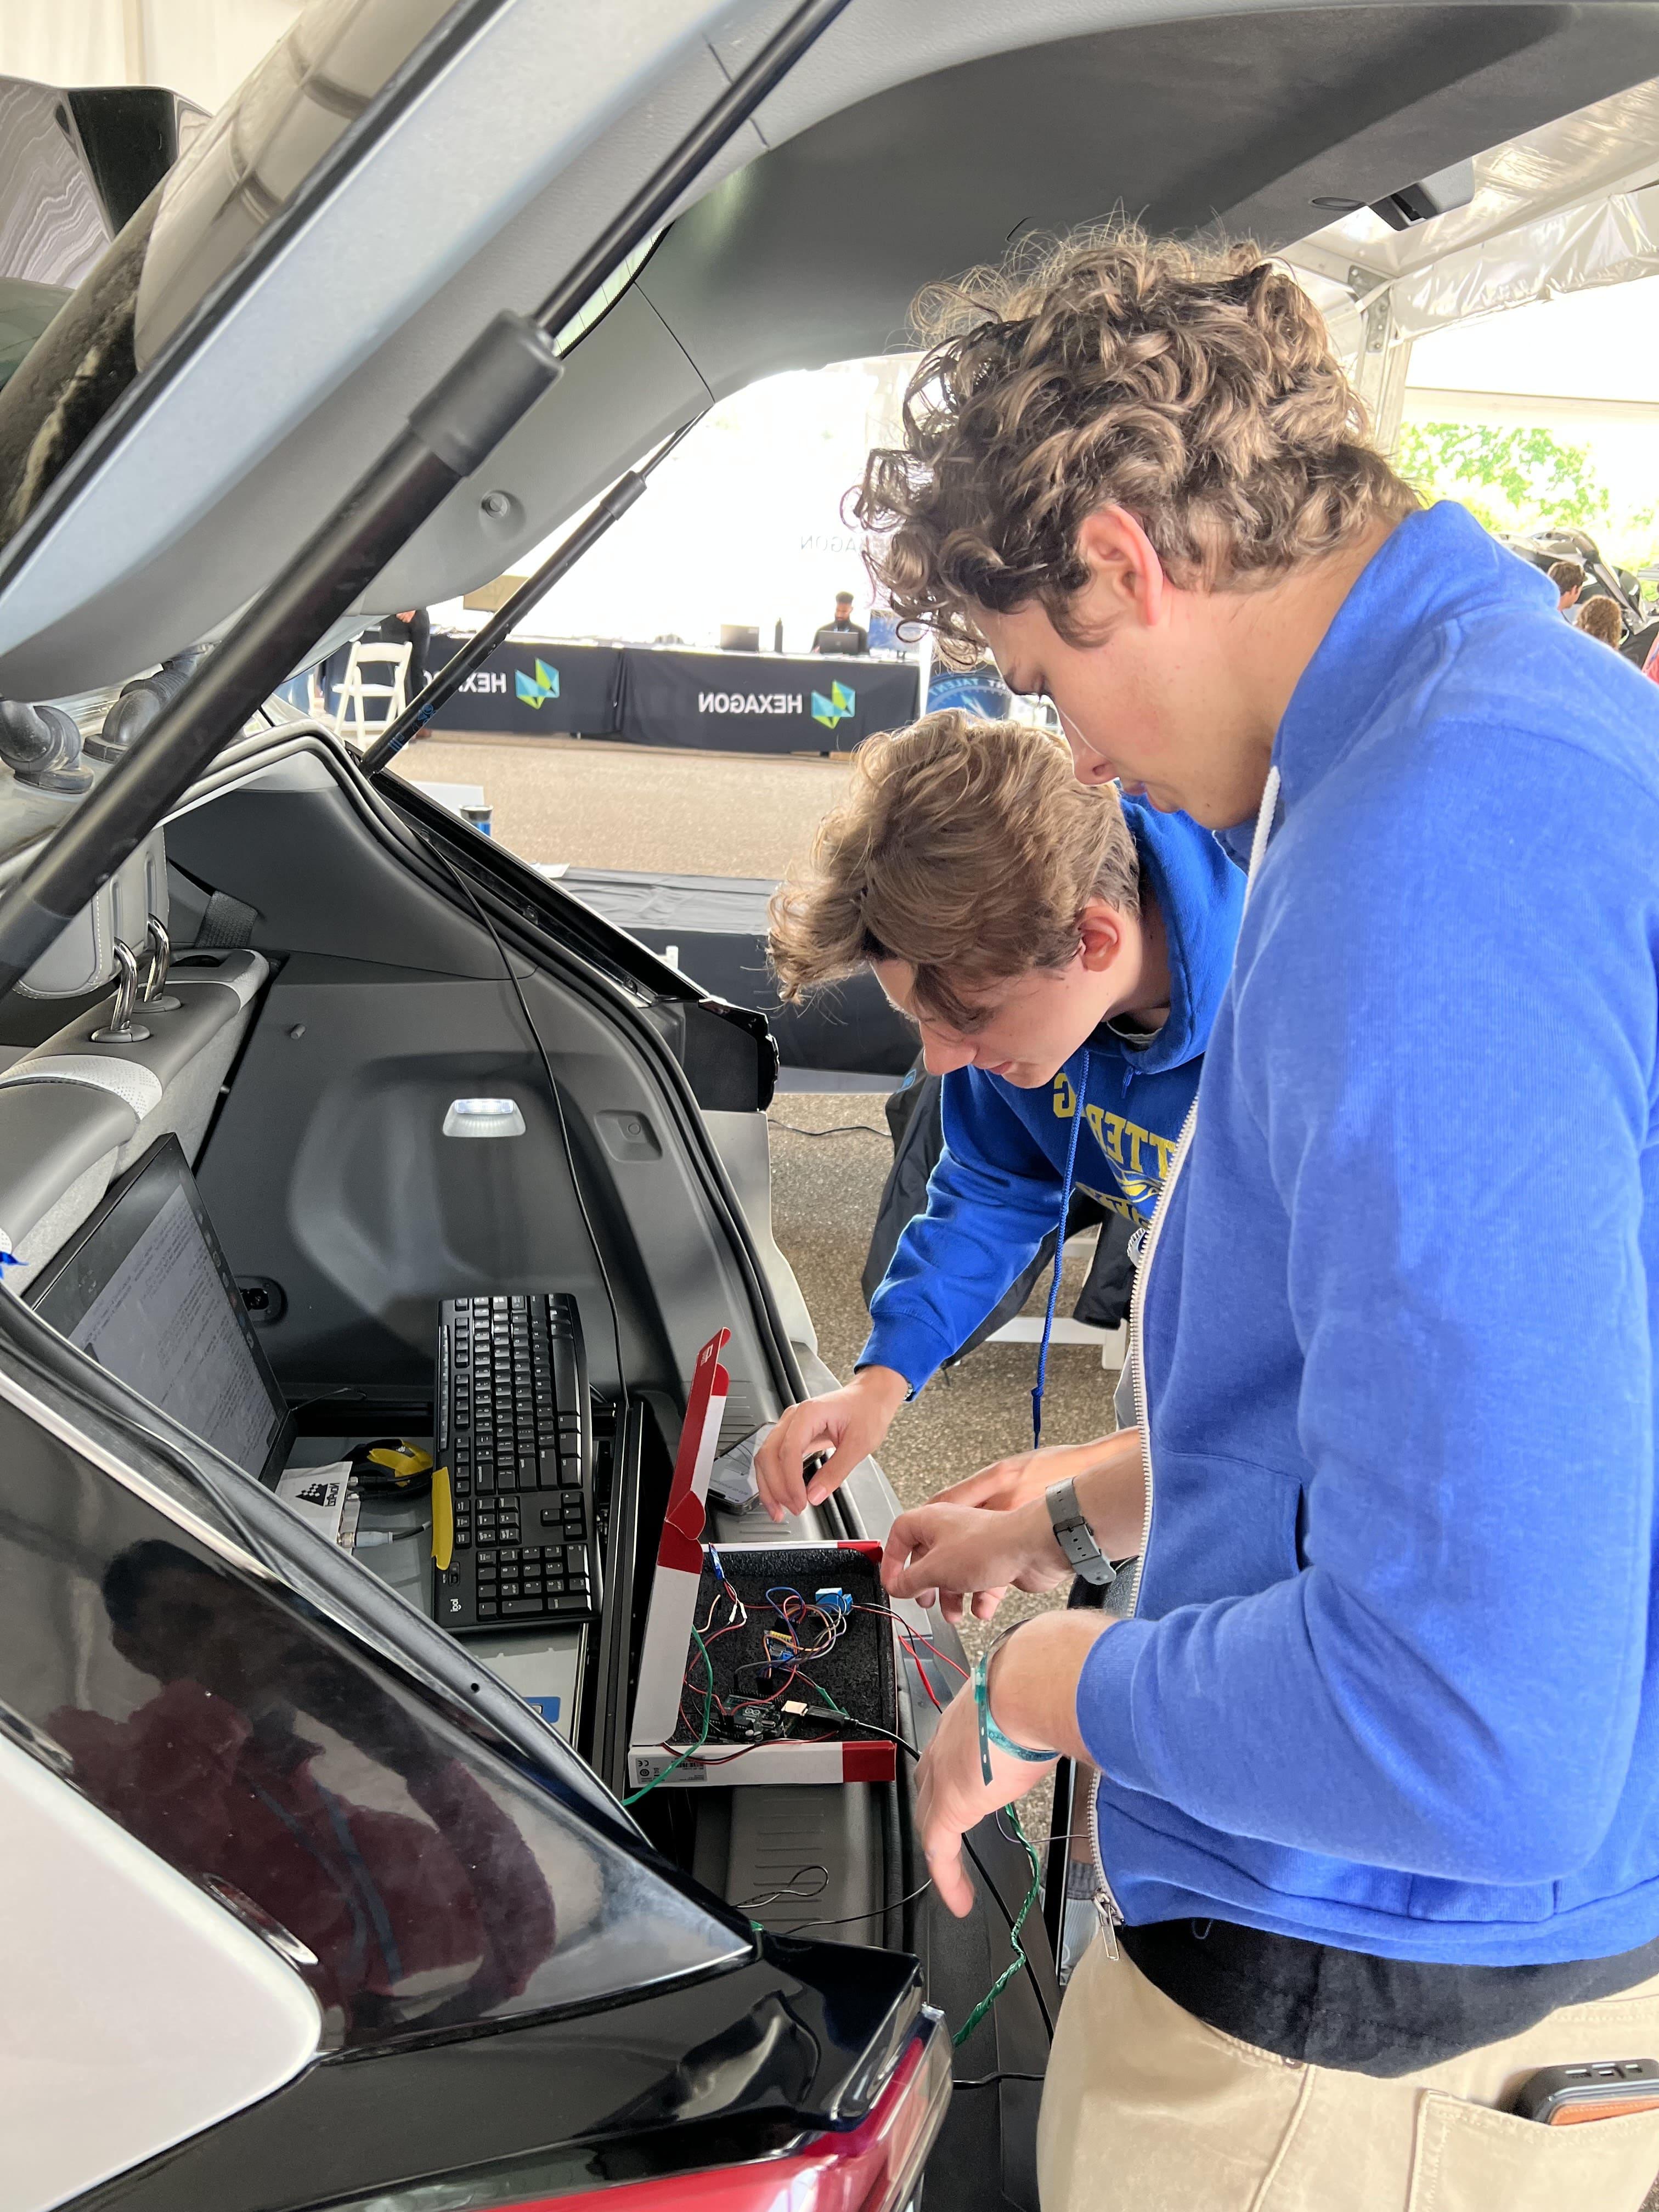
(989,1733)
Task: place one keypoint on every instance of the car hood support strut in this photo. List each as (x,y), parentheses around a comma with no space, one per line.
(449,679)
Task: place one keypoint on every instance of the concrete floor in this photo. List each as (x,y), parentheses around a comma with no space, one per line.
(598,805)
(825,1188)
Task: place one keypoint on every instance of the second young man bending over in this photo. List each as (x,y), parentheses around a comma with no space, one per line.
(1062,952)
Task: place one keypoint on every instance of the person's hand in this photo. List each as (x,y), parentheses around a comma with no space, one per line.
(1022,1477)
(849,1423)
(941,1555)
(1033,1689)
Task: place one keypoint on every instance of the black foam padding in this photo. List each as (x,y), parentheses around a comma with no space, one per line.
(858,1672)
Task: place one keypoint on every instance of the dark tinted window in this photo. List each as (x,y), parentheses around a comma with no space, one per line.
(417,1882)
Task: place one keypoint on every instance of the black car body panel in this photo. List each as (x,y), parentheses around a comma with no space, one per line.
(734,2069)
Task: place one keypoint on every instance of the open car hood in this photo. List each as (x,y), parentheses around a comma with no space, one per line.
(398,171)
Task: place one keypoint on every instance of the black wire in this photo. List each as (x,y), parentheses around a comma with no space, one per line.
(327,1397)
(875,1912)
(838,1129)
(865,1727)
(1010,1914)
(807,1897)
(989,2081)
(455,875)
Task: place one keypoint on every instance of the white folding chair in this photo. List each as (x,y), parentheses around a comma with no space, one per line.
(358,697)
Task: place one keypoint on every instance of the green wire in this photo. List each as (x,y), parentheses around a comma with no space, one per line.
(646,1788)
(1018,1959)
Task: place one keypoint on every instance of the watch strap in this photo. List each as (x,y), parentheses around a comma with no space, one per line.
(1076,1537)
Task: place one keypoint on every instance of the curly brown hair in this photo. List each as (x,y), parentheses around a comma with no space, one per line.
(1192,384)
(1600,617)
(967,849)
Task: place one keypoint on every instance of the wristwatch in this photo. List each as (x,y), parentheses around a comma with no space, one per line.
(1076,1537)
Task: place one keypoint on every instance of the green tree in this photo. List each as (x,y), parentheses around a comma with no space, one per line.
(1508,479)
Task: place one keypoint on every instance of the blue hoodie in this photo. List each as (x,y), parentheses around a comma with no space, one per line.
(1001,1183)
(1392,1682)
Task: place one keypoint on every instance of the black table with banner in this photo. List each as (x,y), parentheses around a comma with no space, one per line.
(752,702)
(532,688)
(762,702)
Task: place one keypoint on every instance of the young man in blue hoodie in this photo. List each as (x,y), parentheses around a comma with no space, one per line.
(1376,1718)
(1062,954)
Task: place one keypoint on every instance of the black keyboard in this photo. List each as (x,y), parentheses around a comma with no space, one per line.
(515,1429)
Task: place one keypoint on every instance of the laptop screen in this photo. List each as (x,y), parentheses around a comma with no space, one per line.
(144,1288)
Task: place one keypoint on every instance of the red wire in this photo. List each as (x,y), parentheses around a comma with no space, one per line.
(922,1676)
(912,1636)
(945,1657)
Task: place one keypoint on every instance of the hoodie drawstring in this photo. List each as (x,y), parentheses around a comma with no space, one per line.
(1059,1255)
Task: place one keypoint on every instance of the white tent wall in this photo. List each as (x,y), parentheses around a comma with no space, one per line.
(201,48)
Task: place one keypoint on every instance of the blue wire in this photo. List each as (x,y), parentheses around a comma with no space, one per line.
(1080,1097)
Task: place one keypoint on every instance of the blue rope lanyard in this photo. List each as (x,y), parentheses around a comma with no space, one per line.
(1078,1098)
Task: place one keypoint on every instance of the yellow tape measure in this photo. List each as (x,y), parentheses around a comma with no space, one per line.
(443,1519)
(405,1462)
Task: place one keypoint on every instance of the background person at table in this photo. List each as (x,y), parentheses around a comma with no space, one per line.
(1569,579)
(412,627)
(843,635)
(1062,953)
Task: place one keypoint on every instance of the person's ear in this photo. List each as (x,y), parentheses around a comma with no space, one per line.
(1125,576)
(1100,936)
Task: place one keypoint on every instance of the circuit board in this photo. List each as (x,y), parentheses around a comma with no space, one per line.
(782,1628)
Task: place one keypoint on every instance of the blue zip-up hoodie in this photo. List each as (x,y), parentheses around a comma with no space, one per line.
(1392,1683)
(1000,1185)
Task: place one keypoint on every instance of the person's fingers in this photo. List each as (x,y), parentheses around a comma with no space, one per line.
(981,1489)
(835,1469)
(769,1482)
(986,1602)
(793,1438)
(941,1844)
(913,1576)
(950,1604)
(907,1535)
(770,1461)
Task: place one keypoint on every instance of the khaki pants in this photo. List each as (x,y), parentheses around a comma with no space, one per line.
(1147,2109)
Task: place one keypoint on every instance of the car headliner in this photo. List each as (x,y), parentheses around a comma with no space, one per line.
(912,142)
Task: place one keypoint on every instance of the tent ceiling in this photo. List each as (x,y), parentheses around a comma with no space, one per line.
(1558,209)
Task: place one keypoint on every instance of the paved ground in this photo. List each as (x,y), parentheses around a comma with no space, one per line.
(598,805)
(824,1193)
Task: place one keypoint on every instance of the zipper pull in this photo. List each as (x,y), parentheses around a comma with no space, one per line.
(1106,1913)
(1106,1905)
